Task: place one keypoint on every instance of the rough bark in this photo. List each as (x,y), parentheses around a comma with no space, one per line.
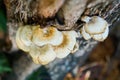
(25,12)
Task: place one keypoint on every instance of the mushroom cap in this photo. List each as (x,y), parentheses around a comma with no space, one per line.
(26,35)
(23,38)
(96,25)
(101,37)
(67,45)
(21,45)
(85,35)
(49,35)
(42,55)
(34,53)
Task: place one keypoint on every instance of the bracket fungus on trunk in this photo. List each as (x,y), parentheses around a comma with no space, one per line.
(45,44)
(95,27)
(67,45)
(42,55)
(49,35)
(23,38)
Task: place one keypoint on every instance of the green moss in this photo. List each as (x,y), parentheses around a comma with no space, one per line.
(3,19)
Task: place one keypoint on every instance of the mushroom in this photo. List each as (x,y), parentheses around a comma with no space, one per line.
(23,37)
(42,55)
(84,34)
(103,36)
(67,45)
(95,27)
(49,35)
(45,44)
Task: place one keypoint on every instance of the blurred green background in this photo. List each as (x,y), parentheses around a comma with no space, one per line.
(4,64)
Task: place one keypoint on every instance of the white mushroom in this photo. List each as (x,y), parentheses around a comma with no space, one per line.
(44,45)
(67,44)
(26,34)
(23,38)
(101,37)
(95,27)
(84,34)
(42,55)
(49,35)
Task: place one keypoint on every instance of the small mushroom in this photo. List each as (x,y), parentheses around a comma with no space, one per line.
(49,35)
(101,37)
(95,27)
(23,37)
(84,34)
(67,45)
(42,55)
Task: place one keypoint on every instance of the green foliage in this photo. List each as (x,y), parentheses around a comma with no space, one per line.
(4,65)
(40,74)
(2,21)
(2,17)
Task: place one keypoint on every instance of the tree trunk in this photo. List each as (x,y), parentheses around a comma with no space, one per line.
(34,12)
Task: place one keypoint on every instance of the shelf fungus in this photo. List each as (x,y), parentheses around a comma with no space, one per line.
(42,55)
(45,44)
(67,45)
(23,38)
(95,27)
(49,35)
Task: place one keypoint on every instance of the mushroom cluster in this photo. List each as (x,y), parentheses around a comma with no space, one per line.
(95,27)
(45,44)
